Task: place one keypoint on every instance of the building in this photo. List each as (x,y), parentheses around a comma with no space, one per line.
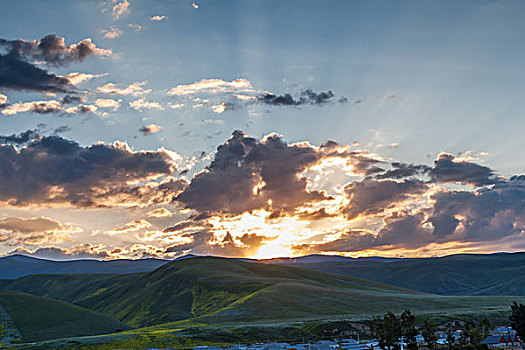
(502,341)
(502,330)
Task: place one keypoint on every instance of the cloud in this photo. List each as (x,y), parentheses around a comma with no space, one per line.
(108,103)
(370,196)
(136,26)
(399,231)
(119,9)
(159,213)
(111,33)
(81,108)
(401,170)
(40,107)
(269,196)
(306,97)
(78,78)
(48,107)
(34,231)
(3,100)
(69,99)
(135,89)
(447,168)
(21,138)
(247,174)
(132,226)
(222,107)
(158,18)
(98,175)
(150,129)
(484,214)
(53,50)
(18,72)
(141,104)
(212,86)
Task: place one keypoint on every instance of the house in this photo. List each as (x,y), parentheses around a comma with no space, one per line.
(352,344)
(502,330)
(203,347)
(237,347)
(502,341)
(325,345)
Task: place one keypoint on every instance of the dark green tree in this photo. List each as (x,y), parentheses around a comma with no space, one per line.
(473,332)
(486,327)
(451,340)
(429,334)
(408,329)
(388,331)
(463,338)
(517,319)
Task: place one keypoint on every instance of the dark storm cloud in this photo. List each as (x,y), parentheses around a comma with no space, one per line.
(370,196)
(402,170)
(306,97)
(249,174)
(52,169)
(61,129)
(19,72)
(484,214)
(68,99)
(21,138)
(53,50)
(448,169)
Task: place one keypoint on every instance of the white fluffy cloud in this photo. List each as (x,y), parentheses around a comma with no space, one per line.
(136,89)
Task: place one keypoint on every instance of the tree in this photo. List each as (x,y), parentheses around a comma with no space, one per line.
(517,319)
(473,332)
(450,336)
(388,331)
(486,326)
(408,329)
(429,334)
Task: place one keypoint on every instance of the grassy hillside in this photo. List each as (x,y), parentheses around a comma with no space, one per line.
(218,290)
(38,318)
(464,274)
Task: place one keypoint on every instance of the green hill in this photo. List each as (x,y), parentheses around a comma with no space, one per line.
(39,318)
(219,290)
(463,274)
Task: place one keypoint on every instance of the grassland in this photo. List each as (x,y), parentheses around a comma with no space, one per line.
(38,318)
(211,291)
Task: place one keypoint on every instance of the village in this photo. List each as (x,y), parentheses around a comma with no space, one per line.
(501,337)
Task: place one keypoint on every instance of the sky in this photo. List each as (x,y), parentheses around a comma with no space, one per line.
(136,129)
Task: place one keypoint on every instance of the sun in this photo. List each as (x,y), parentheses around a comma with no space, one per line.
(273,249)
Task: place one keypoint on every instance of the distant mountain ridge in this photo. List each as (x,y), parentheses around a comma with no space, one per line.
(459,274)
(15,266)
